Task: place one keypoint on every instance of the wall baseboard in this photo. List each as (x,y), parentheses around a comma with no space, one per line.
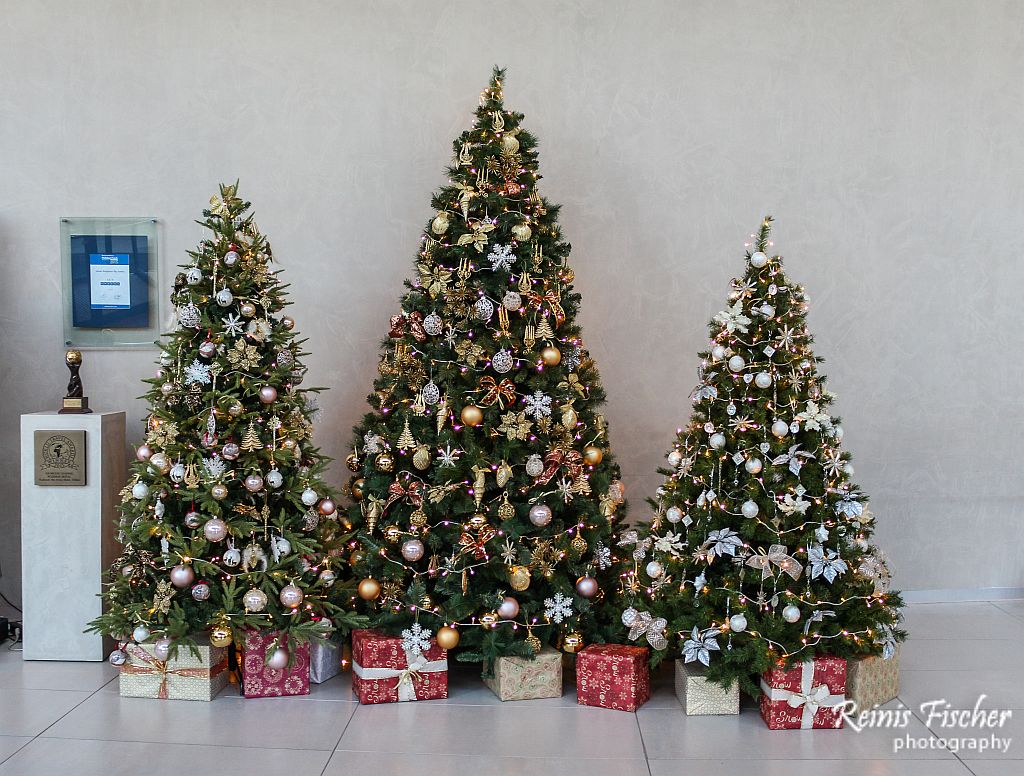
(961,594)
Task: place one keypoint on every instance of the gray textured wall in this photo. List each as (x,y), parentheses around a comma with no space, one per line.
(884,137)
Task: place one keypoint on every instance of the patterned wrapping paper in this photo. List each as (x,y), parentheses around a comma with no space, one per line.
(185,677)
(699,696)
(261,681)
(808,695)
(520,678)
(383,672)
(324,661)
(613,676)
(872,681)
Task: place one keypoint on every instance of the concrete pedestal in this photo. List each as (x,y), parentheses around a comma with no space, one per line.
(68,538)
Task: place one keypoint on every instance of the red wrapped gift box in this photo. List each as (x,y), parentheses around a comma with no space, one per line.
(260,680)
(613,676)
(808,695)
(383,672)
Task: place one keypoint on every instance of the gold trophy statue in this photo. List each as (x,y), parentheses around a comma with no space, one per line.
(74,402)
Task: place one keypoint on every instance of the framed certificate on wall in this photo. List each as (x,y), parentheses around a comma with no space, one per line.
(111,295)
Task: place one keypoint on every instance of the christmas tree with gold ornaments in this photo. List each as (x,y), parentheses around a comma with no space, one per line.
(225,519)
(760,551)
(486,500)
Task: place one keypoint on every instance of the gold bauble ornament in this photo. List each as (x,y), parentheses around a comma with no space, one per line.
(353,462)
(288,322)
(510,143)
(572,642)
(384,462)
(356,557)
(219,491)
(357,488)
(534,644)
(519,578)
(440,223)
(393,533)
(566,275)
(288,443)
(235,409)
(447,637)
(592,455)
(569,417)
(506,511)
(522,232)
(369,589)
(579,545)
(551,356)
(472,415)
(477,522)
(490,619)
(421,458)
(418,519)
(220,636)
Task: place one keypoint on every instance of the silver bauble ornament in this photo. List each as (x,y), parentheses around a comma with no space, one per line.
(162,648)
(193,276)
(140,634)
(540,515)
(275,479)
(215,530)
(654,569)
(278,660)
(117,658)
(502,362)
(738,623)
(412,550)
(535,465)
(736,364)
(200,591)
(254,600)
(758,259)
(780,428)
(750,509)
(431,393)
(254,483)
(433,324)
(309,497)
(483,309)
(231,258)
(673,514)
(328,577)
(140,490)
(718,352)
(291,596)
(791,613)
(675,458)
(182,575)
(512,301)
(717,440)
(224,297)
(763,380)
(268,394)
(753,465)
(587,586)
(177,472)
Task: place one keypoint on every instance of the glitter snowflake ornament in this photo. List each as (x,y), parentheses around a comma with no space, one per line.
(558,608)
(483,309)
(538,405)
(197,372)
(416,639)
(501,257)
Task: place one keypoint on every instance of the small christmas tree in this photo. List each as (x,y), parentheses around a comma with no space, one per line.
(225,517)
(759,550)
(487,500)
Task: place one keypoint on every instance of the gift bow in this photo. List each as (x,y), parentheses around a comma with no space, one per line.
(811,698)
(477,545)
(502,392)
(632,536)
(412,494)
(153,665)
(817,616)
(416,666)
(653,629)
(776,555)
(572,460)
(414,322)
(554,301)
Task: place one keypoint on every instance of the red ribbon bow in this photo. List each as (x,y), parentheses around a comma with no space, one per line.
(413,321)
(476,545)
(572,460)
(554,302)
(502,392)
(412,494)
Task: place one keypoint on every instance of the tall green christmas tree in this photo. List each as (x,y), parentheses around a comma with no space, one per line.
(760,548)
(225,517)
(487,501)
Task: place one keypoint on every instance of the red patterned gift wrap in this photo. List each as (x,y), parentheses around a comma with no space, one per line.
(384,672)
(260,680)
(807,695)
(613,676)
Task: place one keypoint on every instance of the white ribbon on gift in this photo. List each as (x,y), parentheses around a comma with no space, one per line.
(417,664)
(810,697)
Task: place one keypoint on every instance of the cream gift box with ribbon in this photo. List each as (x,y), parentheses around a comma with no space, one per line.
(700,696)
(872,681)
(807,695)
(383,671)
(185,677)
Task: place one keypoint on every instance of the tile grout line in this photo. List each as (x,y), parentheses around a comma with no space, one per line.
(643,744)
(338,742)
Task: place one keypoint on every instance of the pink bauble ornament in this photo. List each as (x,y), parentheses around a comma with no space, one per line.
(278,660)
(254,483)
(162,648)
(412,550)
(508,609)
(586,587)
(328,507)
(540,515)
(200,591)
(207,349)
(182,575)
(268,394)
(230,451)
(215,530)
(143,452)
(291,595)
(193,519)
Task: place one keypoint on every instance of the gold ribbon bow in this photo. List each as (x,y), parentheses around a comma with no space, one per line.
(154,666)
(554,301)
(777,556)
(478,237)
(572,460)
(476,545)
(502,392)
(572,383)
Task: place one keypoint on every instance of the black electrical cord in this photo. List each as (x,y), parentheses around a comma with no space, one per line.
(8,602)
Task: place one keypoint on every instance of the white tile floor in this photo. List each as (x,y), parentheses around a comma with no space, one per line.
(68,718)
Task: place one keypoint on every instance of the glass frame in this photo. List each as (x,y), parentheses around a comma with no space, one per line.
(106,234)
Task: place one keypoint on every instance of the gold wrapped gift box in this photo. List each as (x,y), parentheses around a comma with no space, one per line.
(520,678)
(699,696)
(872,681)
(185,677)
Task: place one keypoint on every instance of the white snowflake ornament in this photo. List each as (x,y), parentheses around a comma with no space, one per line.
(416,640)
(197,372)
(501,257)
(558,608)
(538,405)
